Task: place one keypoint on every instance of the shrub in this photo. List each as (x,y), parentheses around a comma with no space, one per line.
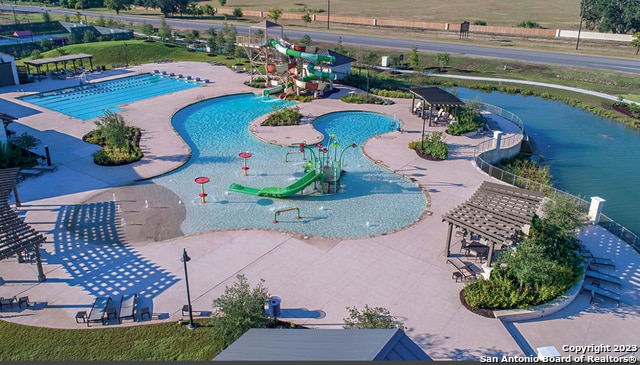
(522,166)
(479,22)
(284,116)
(467,119)
(363,98)
(242,308)
(528,24)
(370,318)
(432,145)
(118,140)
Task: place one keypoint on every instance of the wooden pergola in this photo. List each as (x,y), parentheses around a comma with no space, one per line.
(435,98)
(496,212)
(60,59)
(16,237)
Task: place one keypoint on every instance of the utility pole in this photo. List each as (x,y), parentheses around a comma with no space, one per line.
(581,18)
(328,12)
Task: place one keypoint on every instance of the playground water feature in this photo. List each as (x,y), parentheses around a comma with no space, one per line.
(371,201)
(90,100)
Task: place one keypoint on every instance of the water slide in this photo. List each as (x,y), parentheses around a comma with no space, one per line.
(299,54)
(275,192)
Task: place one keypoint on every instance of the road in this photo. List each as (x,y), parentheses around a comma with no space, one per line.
(365,41)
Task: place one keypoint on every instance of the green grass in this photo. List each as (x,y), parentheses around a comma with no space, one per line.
(166,342)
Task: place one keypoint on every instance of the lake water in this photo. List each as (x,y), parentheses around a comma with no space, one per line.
(588,155)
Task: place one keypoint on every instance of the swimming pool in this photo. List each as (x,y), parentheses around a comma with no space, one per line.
(90,100)
(372,200)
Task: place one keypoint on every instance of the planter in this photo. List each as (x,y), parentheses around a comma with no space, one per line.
(428,157)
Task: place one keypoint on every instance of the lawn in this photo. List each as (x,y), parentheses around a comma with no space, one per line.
(165,342)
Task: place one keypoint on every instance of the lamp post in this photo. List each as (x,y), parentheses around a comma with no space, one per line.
(126,56)
(328,12)
(581,18)
(184,260)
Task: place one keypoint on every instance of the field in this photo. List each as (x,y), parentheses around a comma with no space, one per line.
(549,14)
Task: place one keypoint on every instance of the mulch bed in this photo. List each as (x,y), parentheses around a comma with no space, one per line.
(427,157)
(624,109)
(479,311)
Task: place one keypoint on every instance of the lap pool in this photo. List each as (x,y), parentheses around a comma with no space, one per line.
(371,201)
(90,100)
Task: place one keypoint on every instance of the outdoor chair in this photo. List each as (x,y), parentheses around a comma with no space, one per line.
(30,173)
(7,301)
(23,300)
(127,306)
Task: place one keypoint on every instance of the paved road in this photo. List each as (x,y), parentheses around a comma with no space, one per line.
(596,62)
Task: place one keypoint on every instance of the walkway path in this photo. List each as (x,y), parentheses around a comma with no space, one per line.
(316,278)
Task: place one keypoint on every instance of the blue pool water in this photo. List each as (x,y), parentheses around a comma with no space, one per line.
(587,155)
(89,101)
(372,200)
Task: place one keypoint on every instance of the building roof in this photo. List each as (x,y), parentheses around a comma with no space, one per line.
(340,58)
(495,211)
(323,345)
(266,24)
(44,61)
(436,97)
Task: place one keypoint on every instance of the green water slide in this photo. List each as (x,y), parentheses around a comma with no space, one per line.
(292,52)
(275,192)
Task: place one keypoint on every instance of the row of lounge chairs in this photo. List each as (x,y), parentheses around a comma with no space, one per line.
(103,310)
(595,280)
(4,302)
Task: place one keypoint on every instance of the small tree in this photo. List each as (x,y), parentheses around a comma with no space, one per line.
(370,318)
(222,2)
(113,129)
(275,14)
(306,18)
(237,12)
(46,17)
(305,40)
(414,58)
(26,141)
(443,59)
(88,36)
(242,308)
(165,30)
(147,29)
(636,42)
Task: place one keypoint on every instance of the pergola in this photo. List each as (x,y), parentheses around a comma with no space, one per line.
(434,97)
(60,59)
(495,212)
(16,236)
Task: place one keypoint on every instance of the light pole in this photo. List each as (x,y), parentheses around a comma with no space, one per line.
(328,12)
(581,18)
(184,260)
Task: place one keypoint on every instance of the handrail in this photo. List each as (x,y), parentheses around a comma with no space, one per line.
(607,223)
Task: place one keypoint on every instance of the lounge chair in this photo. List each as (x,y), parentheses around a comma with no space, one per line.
(605,293)
(30,173)
(98,311)
(593,274)
(7,301)
(462,268)
(45,167)
(127,306)
(601,261)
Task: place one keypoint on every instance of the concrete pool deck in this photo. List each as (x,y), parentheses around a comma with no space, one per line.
(316,278)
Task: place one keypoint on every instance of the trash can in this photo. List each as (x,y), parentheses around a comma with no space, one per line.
(274,307)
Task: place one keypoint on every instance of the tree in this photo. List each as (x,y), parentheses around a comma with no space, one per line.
(414,58)
(237,12)
(147,29)
(165,30)
(101,21)
(443,59)
(167,7)
(370,318)
(339,47)
(222,2)
(208,10)
(242,308)
(620,16)
(305,40)
(26,141)
(117,5)
(306,18)
(88,36)
(275,14)
(45,43)
(636,42)
(113,129)
(46,17)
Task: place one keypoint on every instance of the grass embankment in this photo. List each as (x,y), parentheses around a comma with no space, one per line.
(166,342)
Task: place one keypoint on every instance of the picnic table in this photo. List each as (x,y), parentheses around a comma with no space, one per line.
(99,310)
